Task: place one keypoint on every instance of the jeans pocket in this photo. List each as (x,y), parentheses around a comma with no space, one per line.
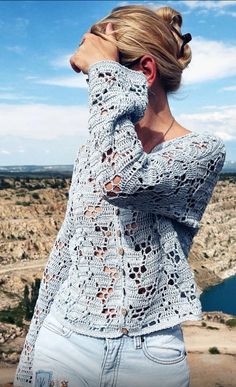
(165,346)
(51,323)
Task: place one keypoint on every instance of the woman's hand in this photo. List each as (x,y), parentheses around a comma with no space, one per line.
(94,49)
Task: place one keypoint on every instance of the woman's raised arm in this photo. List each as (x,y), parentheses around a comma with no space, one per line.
(176,182)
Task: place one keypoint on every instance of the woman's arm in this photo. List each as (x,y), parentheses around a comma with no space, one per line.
(55,272)
(176,182)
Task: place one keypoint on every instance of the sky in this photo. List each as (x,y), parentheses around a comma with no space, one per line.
(44,103)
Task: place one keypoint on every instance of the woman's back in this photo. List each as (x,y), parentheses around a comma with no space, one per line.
(119,263)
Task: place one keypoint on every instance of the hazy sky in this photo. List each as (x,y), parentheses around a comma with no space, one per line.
(44,103)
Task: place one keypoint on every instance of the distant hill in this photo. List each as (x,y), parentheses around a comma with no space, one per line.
(229,166)
(36,171)
(65,170)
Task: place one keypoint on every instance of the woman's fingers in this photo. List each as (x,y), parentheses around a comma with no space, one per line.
(74,59)
(92,49)
(73,65)
(75,68)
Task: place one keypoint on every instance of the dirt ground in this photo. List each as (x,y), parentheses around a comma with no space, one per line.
(206,369)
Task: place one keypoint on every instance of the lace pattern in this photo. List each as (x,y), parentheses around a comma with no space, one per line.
(119,263)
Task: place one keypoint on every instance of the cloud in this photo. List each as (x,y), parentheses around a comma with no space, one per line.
(211,60)
(18,97)
(62,61)
(208,4)
(218,120)
(76,82)
(149,4)
(229,13)
(15,26)
(5,152)
(2,88)
(16,49)
(41,121)
(191,4)
(229,88)
(48,122)
(31,77)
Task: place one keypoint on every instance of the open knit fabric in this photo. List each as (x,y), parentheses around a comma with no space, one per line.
(119,262)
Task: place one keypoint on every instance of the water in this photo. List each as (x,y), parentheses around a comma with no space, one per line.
(221,297)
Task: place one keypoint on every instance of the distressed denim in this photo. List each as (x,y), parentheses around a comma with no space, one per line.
(64,358)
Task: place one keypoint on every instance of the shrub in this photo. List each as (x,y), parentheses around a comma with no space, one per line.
(231,322)
(12,316)
(18,203)
(36,246)
(35,195)
(25,308)
(24,255)
(214,350)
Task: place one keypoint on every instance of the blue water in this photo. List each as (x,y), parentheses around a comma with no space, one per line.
(221,297)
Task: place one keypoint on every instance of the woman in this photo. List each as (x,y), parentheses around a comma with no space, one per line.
(117,285)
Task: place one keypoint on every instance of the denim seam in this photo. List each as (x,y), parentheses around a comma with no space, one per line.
(118,362)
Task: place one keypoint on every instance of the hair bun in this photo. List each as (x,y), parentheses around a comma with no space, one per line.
(170,16)
(174,19)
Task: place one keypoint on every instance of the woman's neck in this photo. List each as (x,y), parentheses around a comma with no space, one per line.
(156,120)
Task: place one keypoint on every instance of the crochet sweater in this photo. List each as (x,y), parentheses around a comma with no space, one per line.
(119,262)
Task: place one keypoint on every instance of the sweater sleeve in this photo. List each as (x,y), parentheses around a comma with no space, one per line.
(55,272)
(176,182)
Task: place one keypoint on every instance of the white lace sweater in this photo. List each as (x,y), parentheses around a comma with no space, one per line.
(119,262)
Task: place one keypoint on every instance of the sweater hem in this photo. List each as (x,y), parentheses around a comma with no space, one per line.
(97,333)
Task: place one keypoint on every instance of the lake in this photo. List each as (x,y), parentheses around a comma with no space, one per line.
(221,297)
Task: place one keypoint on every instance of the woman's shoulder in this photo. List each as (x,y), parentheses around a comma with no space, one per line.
(204,137)
(214,141)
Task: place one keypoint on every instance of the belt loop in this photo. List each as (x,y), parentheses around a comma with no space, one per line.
(107,343)
(137,342)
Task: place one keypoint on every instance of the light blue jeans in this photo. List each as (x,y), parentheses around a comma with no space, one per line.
(64,358)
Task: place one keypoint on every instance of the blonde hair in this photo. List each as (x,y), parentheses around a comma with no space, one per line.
(139,31)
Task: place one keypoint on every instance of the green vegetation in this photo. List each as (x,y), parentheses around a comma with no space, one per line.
(13,237)
(21,194)
(35,195)
(58,184)
(12,316)
(231,176)
(18,203)
(4,184)
(231,322)
(25,308)
(24,255)
(36,247)
(214,350)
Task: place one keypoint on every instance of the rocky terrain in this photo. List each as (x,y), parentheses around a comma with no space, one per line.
(213,253)
(32,210)
(31,213)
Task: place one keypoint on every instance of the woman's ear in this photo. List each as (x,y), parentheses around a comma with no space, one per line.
(148,67)
(109,28)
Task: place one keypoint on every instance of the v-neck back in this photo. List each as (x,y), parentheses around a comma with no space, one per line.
(172,140)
